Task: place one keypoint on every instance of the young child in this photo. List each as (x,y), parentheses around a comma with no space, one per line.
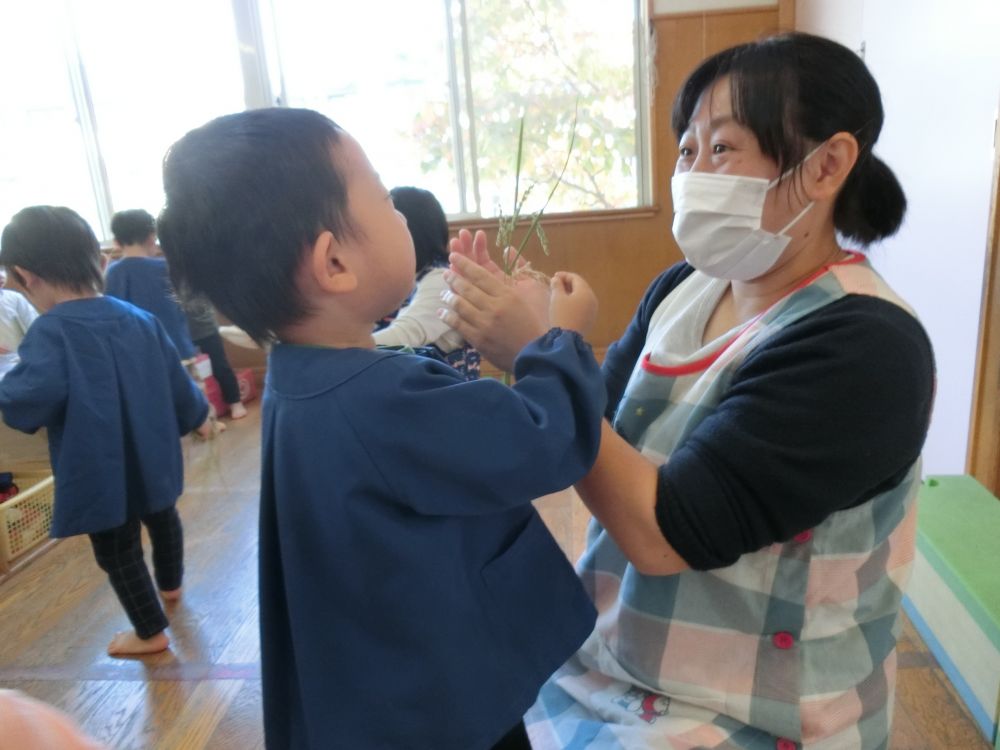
(417,325)
(410,595)
(16,315)
(141,278)
(204,330)
(105,379)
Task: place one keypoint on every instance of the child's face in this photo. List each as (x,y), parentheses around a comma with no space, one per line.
(388,261)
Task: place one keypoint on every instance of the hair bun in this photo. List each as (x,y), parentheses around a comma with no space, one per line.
(871,204)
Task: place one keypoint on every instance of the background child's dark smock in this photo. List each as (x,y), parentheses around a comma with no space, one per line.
(145,283)
(105,379)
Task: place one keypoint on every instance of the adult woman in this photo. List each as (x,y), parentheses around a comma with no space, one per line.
(770,400)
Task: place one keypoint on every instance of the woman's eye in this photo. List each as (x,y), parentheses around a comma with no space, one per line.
(719,148)
(685,152)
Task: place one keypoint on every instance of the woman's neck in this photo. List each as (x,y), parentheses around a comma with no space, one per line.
(745,300)
(750,298)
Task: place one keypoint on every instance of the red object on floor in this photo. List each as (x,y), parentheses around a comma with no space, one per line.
(210,387)
(248,385)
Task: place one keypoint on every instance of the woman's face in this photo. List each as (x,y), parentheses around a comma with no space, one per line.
(715,142)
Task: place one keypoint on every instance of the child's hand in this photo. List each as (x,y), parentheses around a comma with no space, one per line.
(574,304)
(495,317)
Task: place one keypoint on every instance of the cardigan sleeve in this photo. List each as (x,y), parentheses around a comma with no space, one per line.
(418,323)
(830,412)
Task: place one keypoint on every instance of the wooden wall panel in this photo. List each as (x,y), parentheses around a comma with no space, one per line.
(984,430)
(726,30)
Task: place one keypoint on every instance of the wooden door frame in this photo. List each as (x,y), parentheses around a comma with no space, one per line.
(983,461)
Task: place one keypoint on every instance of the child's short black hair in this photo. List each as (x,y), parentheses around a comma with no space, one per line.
(55,244)
(427,223)
(247,194)
(132,227)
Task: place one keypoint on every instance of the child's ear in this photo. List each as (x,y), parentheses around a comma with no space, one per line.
(330,265)
(21,279)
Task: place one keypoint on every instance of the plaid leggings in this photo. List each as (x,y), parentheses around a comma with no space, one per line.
(119,554)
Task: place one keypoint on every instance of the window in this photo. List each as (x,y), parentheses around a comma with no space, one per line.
(434,90)
(153,73)
(43,156)
(98,90)
(436,96)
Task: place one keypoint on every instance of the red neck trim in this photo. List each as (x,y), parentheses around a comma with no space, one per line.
(699,365)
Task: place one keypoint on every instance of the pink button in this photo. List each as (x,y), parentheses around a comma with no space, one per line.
(783,640)
(783,744)
(804,537)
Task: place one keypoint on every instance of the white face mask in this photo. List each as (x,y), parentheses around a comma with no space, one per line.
(717,224)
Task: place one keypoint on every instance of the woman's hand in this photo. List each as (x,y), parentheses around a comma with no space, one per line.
(496,317)
(475,249)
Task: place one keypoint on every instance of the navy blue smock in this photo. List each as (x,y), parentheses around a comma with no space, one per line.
(145,282)
(105,379)
(411,596)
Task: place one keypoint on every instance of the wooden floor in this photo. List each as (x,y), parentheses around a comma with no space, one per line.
(57,614)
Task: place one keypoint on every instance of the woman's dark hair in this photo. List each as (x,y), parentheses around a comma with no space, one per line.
(55,244)
(132,227)
(246,195)
(794,91)
(427,222)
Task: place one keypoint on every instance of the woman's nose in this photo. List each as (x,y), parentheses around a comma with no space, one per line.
(702,162)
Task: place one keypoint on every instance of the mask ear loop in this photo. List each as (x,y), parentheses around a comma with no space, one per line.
(802,213)
(809,205)
(787,172)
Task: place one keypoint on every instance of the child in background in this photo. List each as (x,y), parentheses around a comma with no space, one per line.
(141,278)
(105,379)
(417,325)
(16,314)
(410,595)
(204,330)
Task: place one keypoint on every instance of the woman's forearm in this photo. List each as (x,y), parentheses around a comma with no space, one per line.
(620,491)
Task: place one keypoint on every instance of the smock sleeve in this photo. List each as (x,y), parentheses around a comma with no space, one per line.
(190,403)
(480,447)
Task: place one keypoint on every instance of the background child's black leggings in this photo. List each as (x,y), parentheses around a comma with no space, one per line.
(119,554)
(221,369)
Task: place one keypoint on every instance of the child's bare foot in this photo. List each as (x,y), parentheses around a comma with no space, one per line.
(171,596)
(127,643)
(209,429)
(237,410)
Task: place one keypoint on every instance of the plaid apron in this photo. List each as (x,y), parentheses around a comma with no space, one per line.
(793,646)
